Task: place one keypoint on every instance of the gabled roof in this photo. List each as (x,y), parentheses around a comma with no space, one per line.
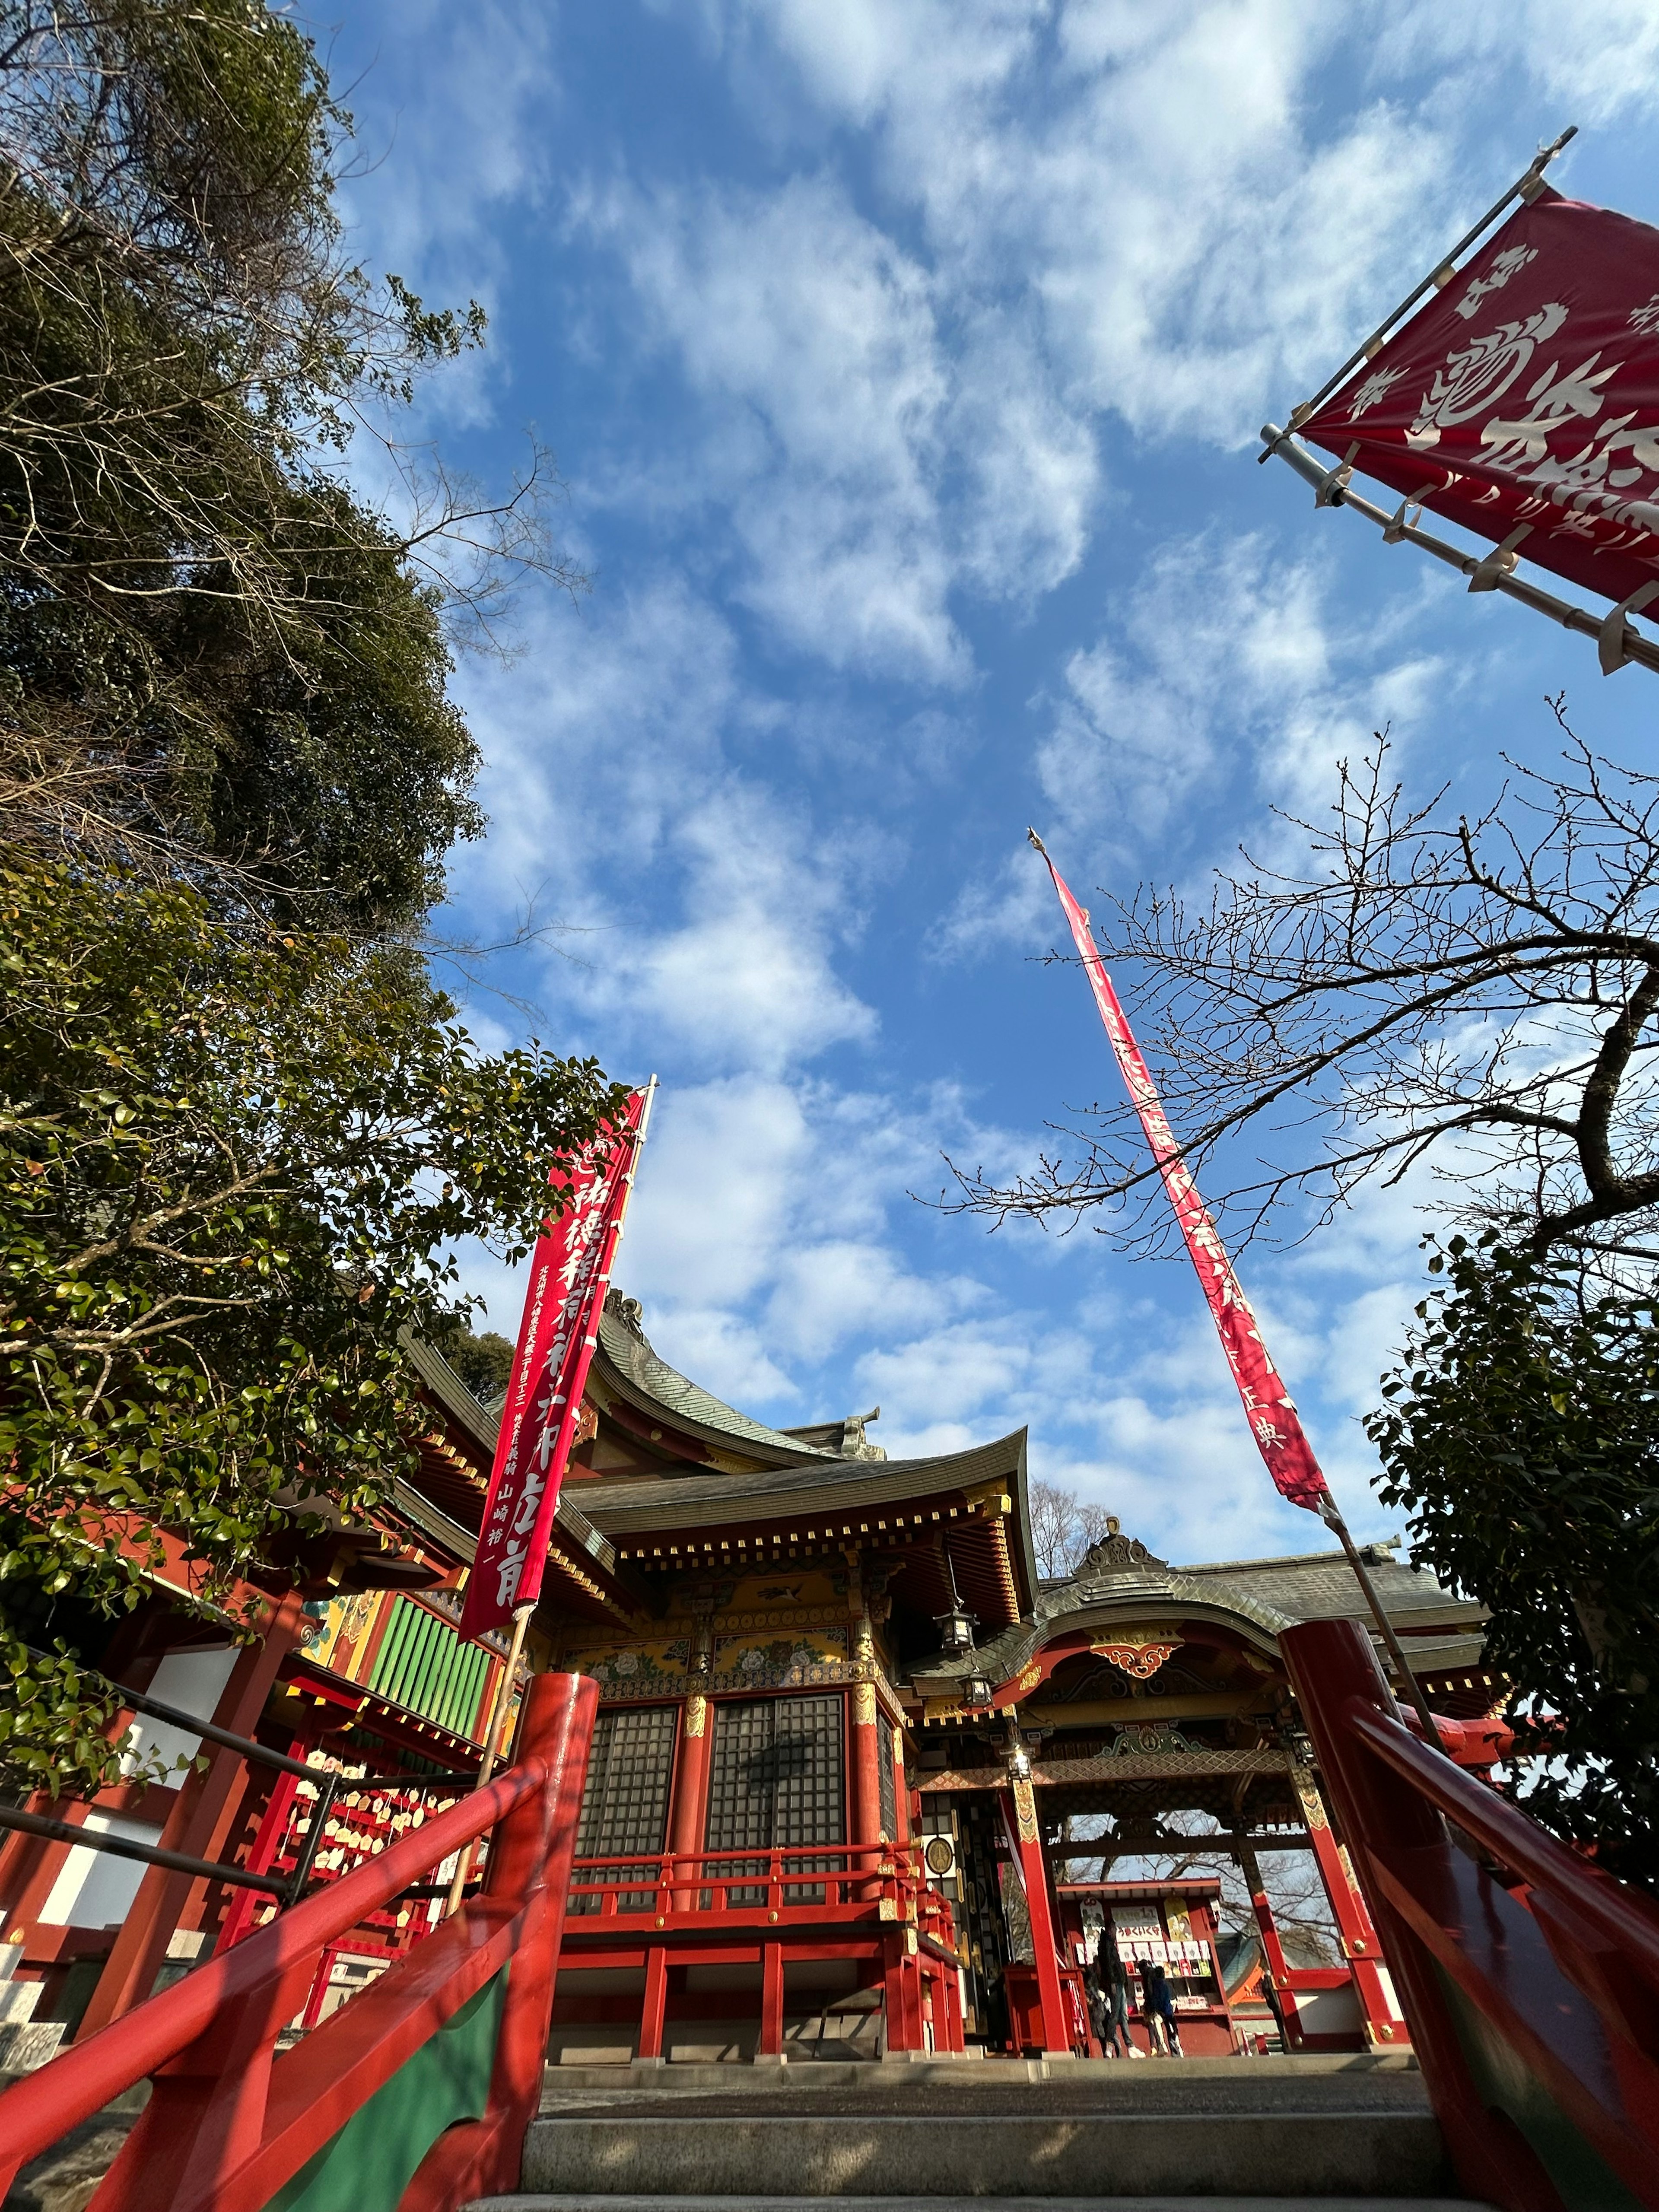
(627,1363)
(825,1485)
(1261,1597)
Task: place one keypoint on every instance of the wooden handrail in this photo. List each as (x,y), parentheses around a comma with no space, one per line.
(1532,2001)
(1511,1838)
(235,2121)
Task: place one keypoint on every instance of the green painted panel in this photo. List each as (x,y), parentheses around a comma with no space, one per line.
(388,1657)
(424,1665)
(368,2166)
(1505,2084)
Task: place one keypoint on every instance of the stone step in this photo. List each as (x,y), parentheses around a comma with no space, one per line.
(1275,2204)
(917,2079)
(1038,2143)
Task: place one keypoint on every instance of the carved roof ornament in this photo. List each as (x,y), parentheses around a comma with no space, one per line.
(1114,1552)
(629,1311)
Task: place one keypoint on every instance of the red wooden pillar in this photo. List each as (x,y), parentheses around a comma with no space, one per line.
(656,2002)
(900,1795)
(865,1825)
(905,2031)
(950,1982)
(771,2027)
(690,1808)
(1020,1805)
(1273,1951)
(1364,1953)
(141,1945)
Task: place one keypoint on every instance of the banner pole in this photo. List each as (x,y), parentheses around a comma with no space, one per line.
(502,1701)
(1283,1441)
(1438,277)
(500,1706)
(1331,1516)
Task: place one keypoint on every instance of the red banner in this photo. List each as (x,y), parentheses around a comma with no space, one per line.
(1273,1417)
(1522,401)
(570,1272)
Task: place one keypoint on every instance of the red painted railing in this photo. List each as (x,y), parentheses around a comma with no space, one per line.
(1530,1981)
(229,2121)
(799,1883)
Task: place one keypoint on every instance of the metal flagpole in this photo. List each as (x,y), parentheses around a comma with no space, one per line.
(1279,1435)
(1617,640)
(498,1712)
(1436,281)
(521,1616)
(1331,1516)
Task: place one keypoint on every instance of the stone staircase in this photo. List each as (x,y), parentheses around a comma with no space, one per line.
(1173,2136)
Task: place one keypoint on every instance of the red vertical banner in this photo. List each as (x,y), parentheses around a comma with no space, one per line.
(569,1274)
(1273,1417)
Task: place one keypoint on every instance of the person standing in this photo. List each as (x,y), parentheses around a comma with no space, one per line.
(1161,2003)
(1115,1993)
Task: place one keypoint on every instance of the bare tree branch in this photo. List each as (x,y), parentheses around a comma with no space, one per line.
(1479,995)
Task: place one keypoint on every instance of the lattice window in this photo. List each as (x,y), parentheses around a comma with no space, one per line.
(777,1776)
(625,1799)
(885,1777)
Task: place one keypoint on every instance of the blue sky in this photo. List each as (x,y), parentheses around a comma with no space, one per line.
(903,360)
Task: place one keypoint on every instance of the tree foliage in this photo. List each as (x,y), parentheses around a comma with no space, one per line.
(1521,1432)
(232,1166)
(209,641)
(481,1357)
(1477,995)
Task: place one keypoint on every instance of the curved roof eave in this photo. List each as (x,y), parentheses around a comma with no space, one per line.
(1145,1596)
(482,1425)
(627,1362)
(635,1506)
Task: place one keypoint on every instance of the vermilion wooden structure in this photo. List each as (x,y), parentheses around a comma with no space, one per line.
(1531,1981)
(230,2122)
(870,1904)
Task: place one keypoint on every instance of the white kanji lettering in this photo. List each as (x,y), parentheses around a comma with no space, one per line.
(1509,264)
(1377,386)
(1481,373)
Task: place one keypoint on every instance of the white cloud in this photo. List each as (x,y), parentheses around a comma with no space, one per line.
(456,116)
(868,460)
(1179,271)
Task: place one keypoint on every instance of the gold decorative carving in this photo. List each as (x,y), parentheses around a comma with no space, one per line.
(1025,1819)
(1313,1805)
(696,1714)
(864,1705)
(1137,1652)
(1031,1678)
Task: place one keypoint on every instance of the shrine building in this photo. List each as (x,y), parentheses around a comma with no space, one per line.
(842,1724)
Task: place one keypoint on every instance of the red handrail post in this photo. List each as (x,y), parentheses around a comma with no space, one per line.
(531,1857)
(1384,1821)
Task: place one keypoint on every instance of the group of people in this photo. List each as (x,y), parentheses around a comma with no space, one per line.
(1107,1982)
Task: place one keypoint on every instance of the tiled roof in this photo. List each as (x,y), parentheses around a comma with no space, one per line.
(823,1485)
(644,1375)
(1271,1594)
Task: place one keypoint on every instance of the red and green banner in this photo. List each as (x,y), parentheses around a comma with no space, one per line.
(569,1274)
(1273,1417)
